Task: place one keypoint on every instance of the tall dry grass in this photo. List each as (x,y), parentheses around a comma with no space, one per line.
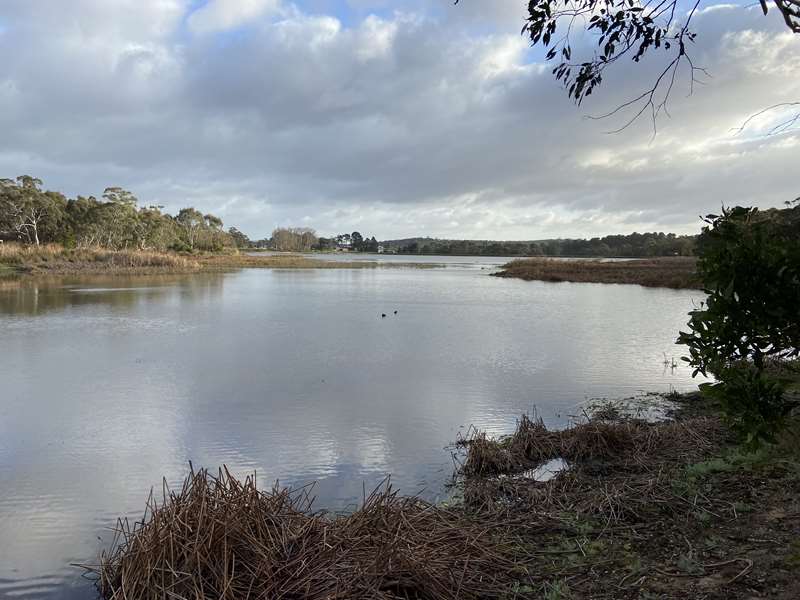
(222,538)
(54,258)
(671,272)
(295,261)
(596,440)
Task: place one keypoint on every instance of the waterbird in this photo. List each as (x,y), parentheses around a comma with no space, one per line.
(395,312)
(383,315)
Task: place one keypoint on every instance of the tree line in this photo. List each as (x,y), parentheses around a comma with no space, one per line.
(305,239)
(633,245)
(353,241)
(30,214)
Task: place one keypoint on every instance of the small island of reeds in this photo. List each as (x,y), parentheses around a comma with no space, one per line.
(670,272)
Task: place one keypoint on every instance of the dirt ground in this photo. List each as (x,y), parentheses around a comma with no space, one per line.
(692,516)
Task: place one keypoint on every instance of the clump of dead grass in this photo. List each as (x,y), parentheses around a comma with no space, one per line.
(219,537)
(594,440)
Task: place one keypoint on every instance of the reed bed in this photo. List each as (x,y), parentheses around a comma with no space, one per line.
(18,258)
(219,537)
(596,440)
(56,259)
(671,272)
(297,261)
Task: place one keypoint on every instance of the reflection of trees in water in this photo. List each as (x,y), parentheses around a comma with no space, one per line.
(46,294)
(200,286)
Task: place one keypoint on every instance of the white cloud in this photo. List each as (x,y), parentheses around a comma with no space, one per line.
(398,124)
(220,15)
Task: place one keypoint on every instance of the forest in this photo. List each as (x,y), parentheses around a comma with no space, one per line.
(632,245)
(30,214)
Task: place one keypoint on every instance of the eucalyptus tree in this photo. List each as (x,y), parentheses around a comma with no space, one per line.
(28,212)
(191,221)
(294,239)
(627,30)
(118,218)
(240,240)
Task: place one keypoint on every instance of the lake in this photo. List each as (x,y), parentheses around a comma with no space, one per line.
(110,383)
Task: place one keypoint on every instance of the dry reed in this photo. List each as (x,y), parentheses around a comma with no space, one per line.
(672,272)
(219,537)
(532,443)
(55,259)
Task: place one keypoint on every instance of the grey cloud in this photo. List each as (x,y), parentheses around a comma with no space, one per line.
(412,123)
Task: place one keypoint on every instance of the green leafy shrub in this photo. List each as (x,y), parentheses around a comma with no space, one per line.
(750,266)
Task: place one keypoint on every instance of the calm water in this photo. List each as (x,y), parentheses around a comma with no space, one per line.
(108,384)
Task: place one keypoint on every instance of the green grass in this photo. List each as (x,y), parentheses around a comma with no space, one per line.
(557,590)
(735,459)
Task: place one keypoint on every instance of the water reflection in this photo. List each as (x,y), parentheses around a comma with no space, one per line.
(43,294)
(110,383)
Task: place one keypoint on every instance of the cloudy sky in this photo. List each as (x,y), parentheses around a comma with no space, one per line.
(393,117)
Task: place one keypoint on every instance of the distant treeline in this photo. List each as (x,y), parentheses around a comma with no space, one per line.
(29,214)
(351,241)
(635,244)
(305,239)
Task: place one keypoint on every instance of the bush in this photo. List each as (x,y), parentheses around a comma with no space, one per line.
(750,266)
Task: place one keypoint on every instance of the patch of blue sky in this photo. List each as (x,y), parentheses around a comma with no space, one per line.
(351,13)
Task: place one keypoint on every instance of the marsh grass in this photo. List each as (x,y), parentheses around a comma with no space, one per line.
(295,261)
(595,440)
(56,259)
(221,537)
(672,272)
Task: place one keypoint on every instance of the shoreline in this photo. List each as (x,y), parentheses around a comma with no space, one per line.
(671,272)
(25,262)
(31,261)
(673,509)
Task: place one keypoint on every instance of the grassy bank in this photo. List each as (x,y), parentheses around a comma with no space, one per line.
(293,261)
(664,510)
(673,272)
(56,260)
(52,259)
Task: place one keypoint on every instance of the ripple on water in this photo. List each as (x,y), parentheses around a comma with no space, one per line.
(86,324)
(62,585)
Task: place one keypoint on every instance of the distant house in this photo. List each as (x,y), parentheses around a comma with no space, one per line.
(381,249)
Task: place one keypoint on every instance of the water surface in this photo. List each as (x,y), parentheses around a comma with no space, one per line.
(110,383)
